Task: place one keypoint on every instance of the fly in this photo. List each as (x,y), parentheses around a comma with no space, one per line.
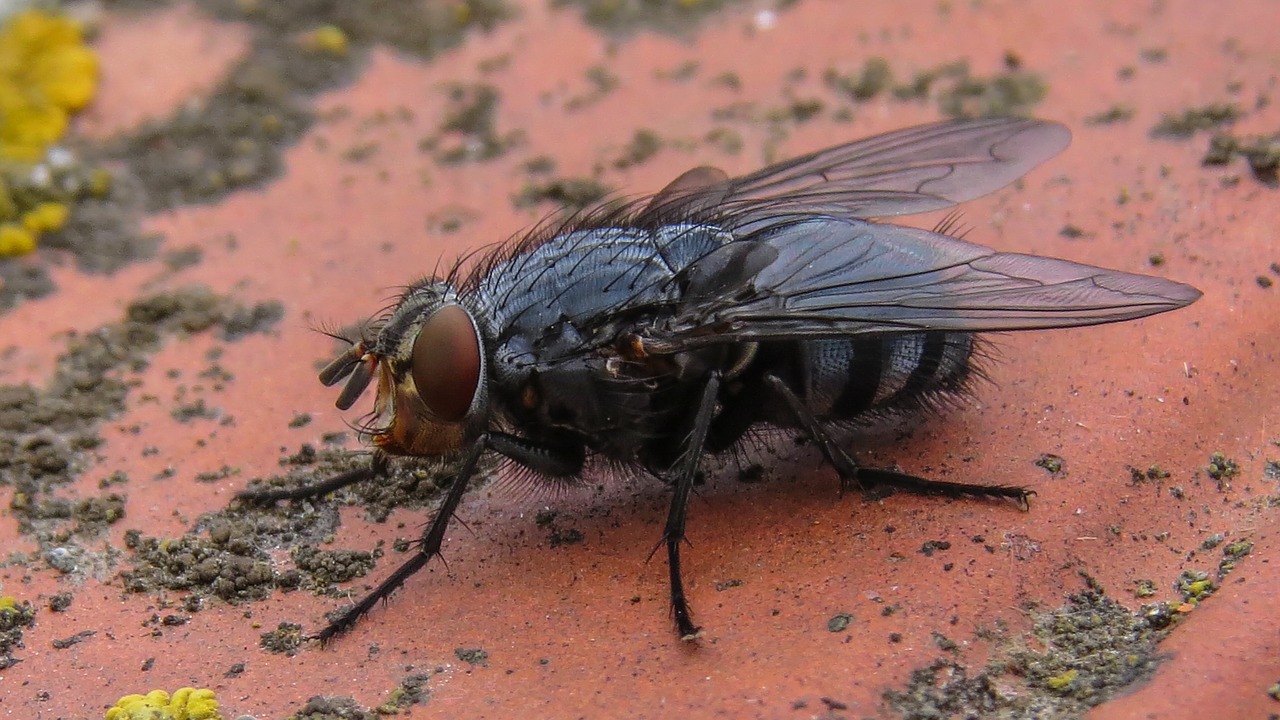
(654,334)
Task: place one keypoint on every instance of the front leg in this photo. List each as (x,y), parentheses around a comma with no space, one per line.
(377,468)
(686,470)
(547,459)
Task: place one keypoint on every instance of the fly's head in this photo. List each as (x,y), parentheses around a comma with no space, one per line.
(428,358)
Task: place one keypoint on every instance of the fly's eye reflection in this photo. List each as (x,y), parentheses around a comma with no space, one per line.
(446,363)
(648,336)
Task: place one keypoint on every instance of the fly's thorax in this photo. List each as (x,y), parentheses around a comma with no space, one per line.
(429,359)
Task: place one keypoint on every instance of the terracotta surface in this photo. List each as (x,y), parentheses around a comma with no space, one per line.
(583,629)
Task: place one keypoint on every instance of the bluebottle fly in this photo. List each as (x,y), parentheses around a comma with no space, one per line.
(653,334)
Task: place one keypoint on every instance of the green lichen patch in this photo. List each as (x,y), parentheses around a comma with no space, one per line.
(1184,124)
(1233,553)
(1012,92)
(677,17)
(234,138)
(226,564)
(64,205)
(420,29)
(957,91)
(323,707)
(1195,585)
(322,569)
(469,132)
(411,691)
(47,433)
(568,193)
(284,640)
(839,622)
(1083,653)
(875,77)
(1110,116)
(15,619)
(1103,645)
(472,656)
(1262,153)
(644,145)
(225,554)
(1050,462)
(408,485)
(1221,469)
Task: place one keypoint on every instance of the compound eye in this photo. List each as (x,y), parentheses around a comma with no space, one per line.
(446,363)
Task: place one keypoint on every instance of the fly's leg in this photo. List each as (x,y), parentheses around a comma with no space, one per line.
(550,460)
(428,546)
(686,470)
(376,469)
(868,479)
(544,459)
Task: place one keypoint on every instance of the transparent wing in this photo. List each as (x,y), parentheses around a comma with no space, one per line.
(825,276)
(915,170)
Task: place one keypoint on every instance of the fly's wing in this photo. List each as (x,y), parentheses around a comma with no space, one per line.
(816,277)
(915,170)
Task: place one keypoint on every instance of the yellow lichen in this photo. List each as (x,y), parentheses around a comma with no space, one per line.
(1062,681)
(46,73)
(462,13)
(46,217)
(185,704)
(99,183)
(15,240)
(328,39)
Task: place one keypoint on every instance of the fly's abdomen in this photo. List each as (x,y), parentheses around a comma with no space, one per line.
(844,378)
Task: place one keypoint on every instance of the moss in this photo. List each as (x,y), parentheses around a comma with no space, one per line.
(184,704)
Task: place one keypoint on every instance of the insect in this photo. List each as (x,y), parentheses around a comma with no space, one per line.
(653,334)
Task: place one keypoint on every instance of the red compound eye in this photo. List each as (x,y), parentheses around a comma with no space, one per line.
(446,363)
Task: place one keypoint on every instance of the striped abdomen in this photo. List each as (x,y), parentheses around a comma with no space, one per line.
(844,378)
